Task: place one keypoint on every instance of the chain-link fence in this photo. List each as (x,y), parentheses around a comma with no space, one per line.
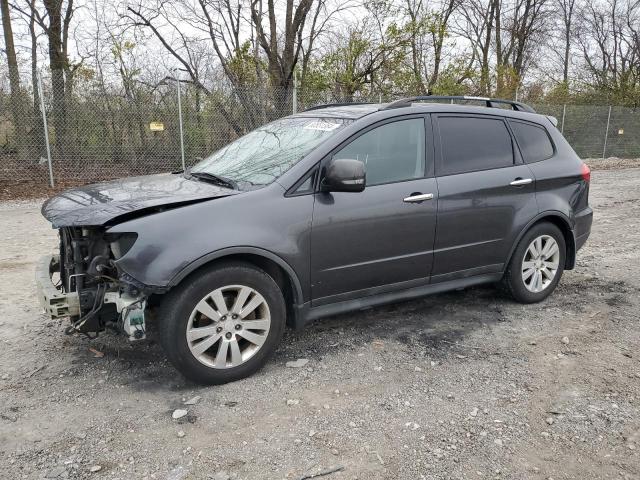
(97,132)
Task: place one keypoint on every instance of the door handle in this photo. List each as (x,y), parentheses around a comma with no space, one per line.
(418,197)
(521,181)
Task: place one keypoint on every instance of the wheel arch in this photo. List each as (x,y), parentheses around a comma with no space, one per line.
(561,221)
(281,272)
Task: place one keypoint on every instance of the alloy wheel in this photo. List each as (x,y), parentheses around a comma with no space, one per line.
(540,263)
(228,326)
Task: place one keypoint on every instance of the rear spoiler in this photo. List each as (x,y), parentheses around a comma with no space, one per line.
(553,120)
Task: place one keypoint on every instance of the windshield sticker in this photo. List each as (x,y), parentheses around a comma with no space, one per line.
(321,125)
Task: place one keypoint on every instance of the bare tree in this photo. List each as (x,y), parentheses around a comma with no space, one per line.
(158,19)
(519,29)
(357,60)
(55,21)
(14,78)
(566,10)
(220,22)
(611,50)
(320,24)
(33,37)
(477,25)
(415,11)
(282,44)
(439,31)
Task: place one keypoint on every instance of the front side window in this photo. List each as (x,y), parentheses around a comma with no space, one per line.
(261,156)
(533,141)
(473,143)
(392,152)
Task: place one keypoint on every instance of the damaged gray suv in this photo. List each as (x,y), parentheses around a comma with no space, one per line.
(330,210)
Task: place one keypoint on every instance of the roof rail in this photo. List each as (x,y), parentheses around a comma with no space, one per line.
(406,102)
(344,104)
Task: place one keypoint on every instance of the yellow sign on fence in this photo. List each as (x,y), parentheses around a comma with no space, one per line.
(156,126)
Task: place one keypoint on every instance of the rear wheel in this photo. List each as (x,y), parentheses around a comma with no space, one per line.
(223,324)
(537,264)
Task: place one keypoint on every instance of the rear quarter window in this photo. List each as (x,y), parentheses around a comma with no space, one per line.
(533,141)
(471,144)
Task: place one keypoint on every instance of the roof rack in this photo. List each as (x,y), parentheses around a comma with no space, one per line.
(406,102)
(345,104)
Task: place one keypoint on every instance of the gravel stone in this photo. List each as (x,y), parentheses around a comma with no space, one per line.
(299,363)
(179,413)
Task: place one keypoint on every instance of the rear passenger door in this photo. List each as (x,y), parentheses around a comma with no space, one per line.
(486,195)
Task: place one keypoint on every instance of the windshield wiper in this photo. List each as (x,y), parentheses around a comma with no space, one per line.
(216,179)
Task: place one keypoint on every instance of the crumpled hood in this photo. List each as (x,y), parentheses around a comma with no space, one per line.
(101,203)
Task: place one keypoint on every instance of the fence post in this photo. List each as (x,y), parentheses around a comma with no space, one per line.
(180,123)
(295,92)
(564,111)
(606,134)
(46,128)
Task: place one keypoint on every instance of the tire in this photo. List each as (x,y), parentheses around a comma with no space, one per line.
(523,289)
(183,307)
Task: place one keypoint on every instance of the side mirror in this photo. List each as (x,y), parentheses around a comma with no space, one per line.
(344,175)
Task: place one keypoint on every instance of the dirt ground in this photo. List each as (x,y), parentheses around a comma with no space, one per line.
(461,385)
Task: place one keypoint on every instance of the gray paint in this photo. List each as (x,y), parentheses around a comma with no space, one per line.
(341,250)
(106,202)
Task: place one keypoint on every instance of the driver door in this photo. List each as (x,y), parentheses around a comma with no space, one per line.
(380,239)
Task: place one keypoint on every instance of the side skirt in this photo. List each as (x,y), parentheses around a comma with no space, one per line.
(306,313)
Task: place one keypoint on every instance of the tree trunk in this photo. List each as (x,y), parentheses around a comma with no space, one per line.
(485,86)
(567,52)
(14,81)
(57,64)
(499,53)
(37,133)
(437,59)
(281,64)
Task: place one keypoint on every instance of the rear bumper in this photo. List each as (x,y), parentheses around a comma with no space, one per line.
(582,227)
(55,303)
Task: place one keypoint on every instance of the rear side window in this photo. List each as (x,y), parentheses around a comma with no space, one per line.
(473,143)
(534,142)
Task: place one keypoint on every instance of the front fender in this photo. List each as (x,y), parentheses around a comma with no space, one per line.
(226,252)
(173,243)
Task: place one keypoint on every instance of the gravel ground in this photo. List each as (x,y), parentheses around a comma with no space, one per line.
(461,385)
(612,163)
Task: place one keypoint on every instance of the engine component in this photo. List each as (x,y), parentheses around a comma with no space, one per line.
(131,310)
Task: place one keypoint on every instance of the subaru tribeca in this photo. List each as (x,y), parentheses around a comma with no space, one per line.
(330,210)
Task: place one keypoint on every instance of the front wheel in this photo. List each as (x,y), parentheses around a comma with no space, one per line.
(223,323)
(537,264)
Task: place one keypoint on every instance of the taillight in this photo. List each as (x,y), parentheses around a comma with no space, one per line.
(585,171)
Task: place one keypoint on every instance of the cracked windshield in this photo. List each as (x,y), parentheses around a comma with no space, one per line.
(264,154)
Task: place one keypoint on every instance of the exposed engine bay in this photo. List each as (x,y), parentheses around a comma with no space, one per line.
(85,285)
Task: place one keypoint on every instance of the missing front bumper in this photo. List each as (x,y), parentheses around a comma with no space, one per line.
(55,303)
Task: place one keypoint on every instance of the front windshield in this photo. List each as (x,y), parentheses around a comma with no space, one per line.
(264,154)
